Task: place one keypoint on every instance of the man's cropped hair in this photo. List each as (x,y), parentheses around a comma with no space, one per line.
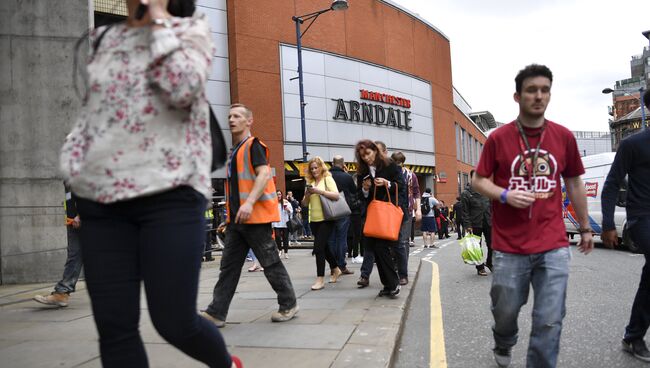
(248,112)
(398,157)
(646,99)
(531,71)
(338,160)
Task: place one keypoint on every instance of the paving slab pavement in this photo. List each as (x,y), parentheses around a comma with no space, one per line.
(339,326)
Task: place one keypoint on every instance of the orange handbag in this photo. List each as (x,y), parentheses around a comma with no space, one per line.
(383,219)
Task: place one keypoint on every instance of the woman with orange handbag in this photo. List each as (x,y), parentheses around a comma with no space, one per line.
(320,183)
(386,177)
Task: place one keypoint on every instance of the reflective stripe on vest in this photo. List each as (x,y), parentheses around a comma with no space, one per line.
(265,209)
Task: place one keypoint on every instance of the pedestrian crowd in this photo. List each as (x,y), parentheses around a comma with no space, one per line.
(128,192)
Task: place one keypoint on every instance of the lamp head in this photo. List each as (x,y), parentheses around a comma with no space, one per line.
(608,90)
(339,5)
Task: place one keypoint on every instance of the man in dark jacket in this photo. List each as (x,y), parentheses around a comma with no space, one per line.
(458,218)
(477,220)
(338,241)
(409,200)
(632,159)
(73,263)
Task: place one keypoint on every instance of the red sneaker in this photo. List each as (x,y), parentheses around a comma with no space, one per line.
(236,361)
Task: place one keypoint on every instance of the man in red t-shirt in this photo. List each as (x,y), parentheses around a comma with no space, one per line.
(520,170)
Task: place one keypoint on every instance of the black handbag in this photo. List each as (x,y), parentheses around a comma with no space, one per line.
(219,152)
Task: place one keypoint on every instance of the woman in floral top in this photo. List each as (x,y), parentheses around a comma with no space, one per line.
(139,159)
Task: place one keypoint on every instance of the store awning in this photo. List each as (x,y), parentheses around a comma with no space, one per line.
(296,167)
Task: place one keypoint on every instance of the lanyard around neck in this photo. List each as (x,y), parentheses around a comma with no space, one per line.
(524,146)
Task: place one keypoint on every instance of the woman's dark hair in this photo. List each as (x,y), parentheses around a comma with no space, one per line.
(181,8)
(281,194)
(362,166)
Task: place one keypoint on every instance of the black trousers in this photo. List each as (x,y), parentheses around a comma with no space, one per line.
(640,315)
(355,246)
(459,229)
(322,231)
(157,240)
(443,232)
(385,265)
(413,229)
(239,239)
(282,238)
(487,233)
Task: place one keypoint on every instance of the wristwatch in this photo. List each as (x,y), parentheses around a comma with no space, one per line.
(584,230)
(164,22)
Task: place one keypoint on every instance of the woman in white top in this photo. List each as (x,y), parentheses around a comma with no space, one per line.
(138,159)
(280,228)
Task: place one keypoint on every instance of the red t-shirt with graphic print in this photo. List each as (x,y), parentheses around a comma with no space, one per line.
(513,230)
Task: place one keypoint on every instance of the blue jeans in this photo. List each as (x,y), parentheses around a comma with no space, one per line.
(73,264)
(548,272)
(157,240)
(639,228)
(338,241)
(306,230)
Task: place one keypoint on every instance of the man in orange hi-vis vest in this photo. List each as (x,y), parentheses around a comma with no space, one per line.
(252,205)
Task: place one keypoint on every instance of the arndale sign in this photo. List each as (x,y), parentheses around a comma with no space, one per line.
(363,112)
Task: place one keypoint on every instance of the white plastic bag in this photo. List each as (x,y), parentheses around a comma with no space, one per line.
(471,250)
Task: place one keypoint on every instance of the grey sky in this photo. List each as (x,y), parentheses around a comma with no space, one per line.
(587,45)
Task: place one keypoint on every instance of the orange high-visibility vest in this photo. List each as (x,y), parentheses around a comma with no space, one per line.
(265,209)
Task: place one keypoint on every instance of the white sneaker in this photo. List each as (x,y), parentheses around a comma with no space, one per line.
(359,259)
(286,255)
(354,260)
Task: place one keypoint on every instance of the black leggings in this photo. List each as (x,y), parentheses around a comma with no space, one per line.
(282,235)
(157,240)
(322,231)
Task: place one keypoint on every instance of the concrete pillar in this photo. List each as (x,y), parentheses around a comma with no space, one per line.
(37,108)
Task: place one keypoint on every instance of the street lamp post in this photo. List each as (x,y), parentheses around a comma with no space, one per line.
(640,98)
(299,20)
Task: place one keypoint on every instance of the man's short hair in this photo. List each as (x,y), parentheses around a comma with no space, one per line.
(646,99)
(531,71)
(427,190)
(398,157)
(471,173)
(338,160)
(248,112)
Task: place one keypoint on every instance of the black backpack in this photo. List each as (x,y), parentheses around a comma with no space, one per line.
(425,206)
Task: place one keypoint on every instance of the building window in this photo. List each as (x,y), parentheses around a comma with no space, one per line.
(460,187)
(470,155)
(458,147)
(463,140)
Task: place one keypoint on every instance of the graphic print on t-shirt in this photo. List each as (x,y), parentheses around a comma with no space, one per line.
(545,174)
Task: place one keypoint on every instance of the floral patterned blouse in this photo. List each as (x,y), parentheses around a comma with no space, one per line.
(144,127)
